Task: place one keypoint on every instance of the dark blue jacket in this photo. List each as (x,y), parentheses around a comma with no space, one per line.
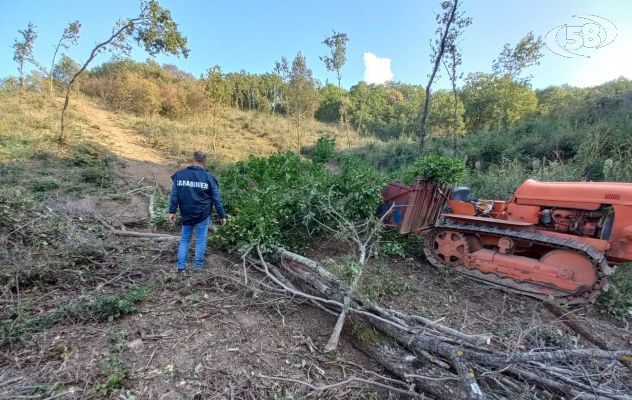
(195,190)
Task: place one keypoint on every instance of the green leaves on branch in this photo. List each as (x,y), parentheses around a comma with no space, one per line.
(282,200)
(158,33)
(436,168)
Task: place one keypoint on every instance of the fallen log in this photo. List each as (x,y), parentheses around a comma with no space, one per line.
(570,321)
(471,359)
(316,270)
(404,365)
(120,232)
(156,236)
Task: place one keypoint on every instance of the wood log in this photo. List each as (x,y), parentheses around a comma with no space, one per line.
(156,236)
(422,337)
(402,364)
(570,321)
(317,270)
(420,343)
(119,232)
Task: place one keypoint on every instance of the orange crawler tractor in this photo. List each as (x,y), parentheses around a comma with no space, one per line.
(551,241)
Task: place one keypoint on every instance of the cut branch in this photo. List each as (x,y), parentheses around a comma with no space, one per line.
(471,359)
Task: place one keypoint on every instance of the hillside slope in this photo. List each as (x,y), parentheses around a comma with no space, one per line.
(90,314)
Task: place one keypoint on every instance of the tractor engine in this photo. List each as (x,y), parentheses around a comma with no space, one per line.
(576,222)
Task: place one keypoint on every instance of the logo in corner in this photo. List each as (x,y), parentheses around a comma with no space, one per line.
(596,34)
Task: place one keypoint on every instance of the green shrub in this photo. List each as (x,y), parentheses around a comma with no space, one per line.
(159,220)
(435,168)
(325,149)
(44,185)
(281,200)
(617,300)
(89,154)
(97,176)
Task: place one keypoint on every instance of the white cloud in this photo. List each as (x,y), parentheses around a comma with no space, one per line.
(377,69)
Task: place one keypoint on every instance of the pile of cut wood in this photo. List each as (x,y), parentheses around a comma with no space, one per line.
(435,360)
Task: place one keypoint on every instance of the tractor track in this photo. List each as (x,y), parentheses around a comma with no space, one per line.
(525,287)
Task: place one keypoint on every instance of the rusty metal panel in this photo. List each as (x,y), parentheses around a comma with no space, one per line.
(416,207)
(397,196)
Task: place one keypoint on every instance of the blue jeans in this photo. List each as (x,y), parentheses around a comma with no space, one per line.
(200,243)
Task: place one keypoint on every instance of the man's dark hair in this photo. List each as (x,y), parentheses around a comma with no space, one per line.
(199,157)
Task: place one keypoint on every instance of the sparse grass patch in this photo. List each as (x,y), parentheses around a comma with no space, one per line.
(380,282)
(114,369)
(234,135)
(369,335)
(96,308)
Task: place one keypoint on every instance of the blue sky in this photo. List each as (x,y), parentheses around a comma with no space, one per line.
(252,34)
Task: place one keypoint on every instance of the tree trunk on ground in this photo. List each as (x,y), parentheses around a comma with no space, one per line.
(513,372)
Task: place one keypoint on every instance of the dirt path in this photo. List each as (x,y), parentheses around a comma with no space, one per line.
(141,163)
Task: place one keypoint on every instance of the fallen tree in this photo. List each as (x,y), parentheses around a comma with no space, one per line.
(430,356)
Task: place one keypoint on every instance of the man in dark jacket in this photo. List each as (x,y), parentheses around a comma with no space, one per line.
(194,191)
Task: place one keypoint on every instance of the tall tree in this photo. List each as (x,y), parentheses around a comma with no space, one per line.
(23,50)
(337,44)
(153,29)
(68,37)
(495,103)
(451,23)
(302,94)
(454,59)
(217,96)
(513,61)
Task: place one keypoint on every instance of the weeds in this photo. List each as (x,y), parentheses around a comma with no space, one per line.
(100,308)
(159,221)
(381,282)
(617,301)
(114,368)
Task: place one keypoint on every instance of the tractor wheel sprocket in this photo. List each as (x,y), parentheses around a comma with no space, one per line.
(529,288)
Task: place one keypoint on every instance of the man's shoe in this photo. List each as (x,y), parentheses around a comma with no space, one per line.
(200,267)
(181,270)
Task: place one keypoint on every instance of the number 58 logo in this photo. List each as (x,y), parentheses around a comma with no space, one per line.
(593,35)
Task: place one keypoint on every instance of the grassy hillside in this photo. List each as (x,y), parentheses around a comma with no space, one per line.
(235,134)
